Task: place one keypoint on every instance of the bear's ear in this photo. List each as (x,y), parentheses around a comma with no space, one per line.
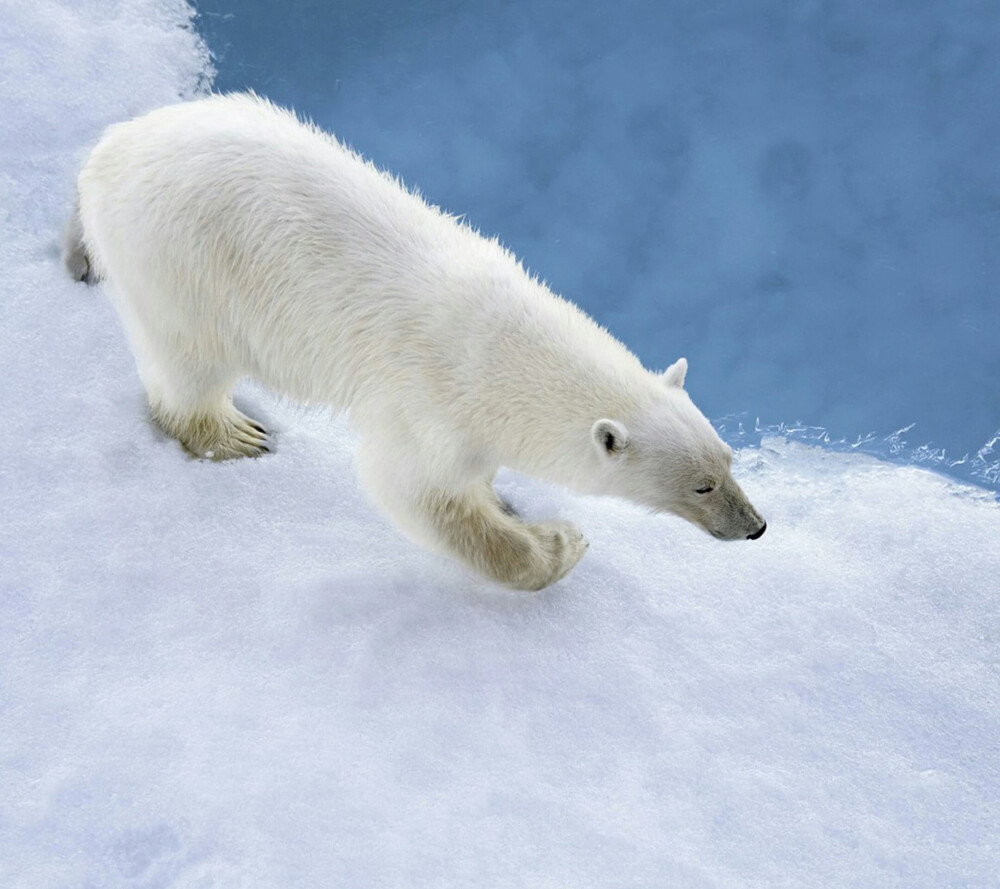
(675,374)
(610,438)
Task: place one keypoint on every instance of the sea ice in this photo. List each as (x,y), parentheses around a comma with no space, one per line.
(241,675)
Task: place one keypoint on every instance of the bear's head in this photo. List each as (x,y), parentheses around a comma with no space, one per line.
(670,459)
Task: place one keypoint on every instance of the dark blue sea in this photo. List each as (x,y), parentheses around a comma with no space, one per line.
(802,198)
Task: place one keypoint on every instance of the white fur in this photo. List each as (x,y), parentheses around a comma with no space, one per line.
(237,240)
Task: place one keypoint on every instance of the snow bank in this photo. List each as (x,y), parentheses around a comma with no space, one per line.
(241,676)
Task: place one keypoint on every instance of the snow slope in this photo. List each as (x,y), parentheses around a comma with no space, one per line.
(240,675)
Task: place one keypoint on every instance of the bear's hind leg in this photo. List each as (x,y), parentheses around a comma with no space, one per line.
(187,377)
(74,253)
(194,405)
(215,432)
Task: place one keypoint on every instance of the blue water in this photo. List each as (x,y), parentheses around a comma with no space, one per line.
(802,198)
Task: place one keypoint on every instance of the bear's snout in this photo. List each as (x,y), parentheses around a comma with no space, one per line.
(758,534)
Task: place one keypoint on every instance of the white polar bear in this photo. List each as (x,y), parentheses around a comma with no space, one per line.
(237,240)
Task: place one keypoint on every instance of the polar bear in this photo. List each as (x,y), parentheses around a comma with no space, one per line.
(236,240)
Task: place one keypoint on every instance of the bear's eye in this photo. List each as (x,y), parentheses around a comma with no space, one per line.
(706,490)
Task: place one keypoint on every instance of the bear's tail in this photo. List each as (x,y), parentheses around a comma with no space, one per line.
(75,257)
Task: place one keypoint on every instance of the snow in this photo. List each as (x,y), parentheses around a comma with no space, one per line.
(241,675)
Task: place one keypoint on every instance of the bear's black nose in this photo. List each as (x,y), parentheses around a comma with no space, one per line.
(759,533)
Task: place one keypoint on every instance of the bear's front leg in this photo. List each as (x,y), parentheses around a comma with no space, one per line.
(475,527)
(468,521)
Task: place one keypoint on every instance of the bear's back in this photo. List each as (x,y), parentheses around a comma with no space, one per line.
(324,277)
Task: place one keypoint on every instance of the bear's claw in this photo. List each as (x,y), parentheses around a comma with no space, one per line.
(564,544)
(223,436)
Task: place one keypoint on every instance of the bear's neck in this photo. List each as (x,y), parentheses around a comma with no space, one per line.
(554,373)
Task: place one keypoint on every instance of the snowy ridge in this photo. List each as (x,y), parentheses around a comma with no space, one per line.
(982,468)
(240,675)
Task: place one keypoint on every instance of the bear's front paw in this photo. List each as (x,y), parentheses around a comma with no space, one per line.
(563,545)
